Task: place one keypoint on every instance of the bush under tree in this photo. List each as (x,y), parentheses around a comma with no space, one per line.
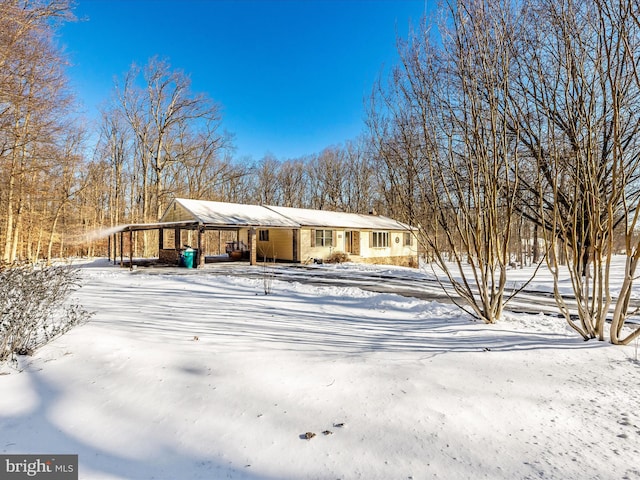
(35,307)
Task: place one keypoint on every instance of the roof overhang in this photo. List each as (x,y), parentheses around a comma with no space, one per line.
(185,225)
(137,227)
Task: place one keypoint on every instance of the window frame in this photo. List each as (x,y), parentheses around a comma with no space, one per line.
(323,238)
(380,239)
(407,240)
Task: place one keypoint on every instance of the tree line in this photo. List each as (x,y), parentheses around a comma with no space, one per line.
(502,111)
(507,134)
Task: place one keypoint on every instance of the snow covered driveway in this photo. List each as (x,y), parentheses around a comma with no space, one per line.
(202,376)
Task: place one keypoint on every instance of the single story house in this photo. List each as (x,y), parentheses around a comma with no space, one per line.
(287,234)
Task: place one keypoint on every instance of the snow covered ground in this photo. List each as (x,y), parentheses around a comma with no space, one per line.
(202,376)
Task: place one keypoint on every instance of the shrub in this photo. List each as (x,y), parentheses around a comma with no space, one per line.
(337,257)
(34,307)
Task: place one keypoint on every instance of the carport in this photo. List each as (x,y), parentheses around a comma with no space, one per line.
(197,216)
(124,253)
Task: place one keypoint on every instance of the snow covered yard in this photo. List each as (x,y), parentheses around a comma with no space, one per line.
(204,377)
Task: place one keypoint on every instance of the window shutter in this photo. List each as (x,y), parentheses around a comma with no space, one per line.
(370,239)
(334,238)
(313,238)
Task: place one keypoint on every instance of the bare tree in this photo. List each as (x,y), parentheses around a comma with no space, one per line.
(158,112)
(623,20)
(201,164)
(328,176)
(67,164)
(115,149)
(293,180)
(443,132)
(169,123)
(359,189)
(267,188)
(33,106)
(579,130)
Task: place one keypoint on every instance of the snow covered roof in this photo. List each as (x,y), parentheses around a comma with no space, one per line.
(321,218)
(238,214)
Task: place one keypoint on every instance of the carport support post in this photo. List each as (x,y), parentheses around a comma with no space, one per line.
(252,246)
(130,249)
(200,246)
(294,246)
(115,248)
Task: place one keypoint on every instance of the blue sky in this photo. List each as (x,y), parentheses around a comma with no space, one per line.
(291,75)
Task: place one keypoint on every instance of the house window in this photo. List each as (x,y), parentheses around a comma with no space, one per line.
(379,239)
(324,238)
(408,240)
(263,235)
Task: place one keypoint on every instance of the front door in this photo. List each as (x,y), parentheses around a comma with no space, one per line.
(352,242)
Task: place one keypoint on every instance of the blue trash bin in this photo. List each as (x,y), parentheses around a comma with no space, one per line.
(188,257)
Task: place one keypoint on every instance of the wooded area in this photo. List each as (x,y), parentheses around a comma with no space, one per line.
(508,135)
(513,117)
